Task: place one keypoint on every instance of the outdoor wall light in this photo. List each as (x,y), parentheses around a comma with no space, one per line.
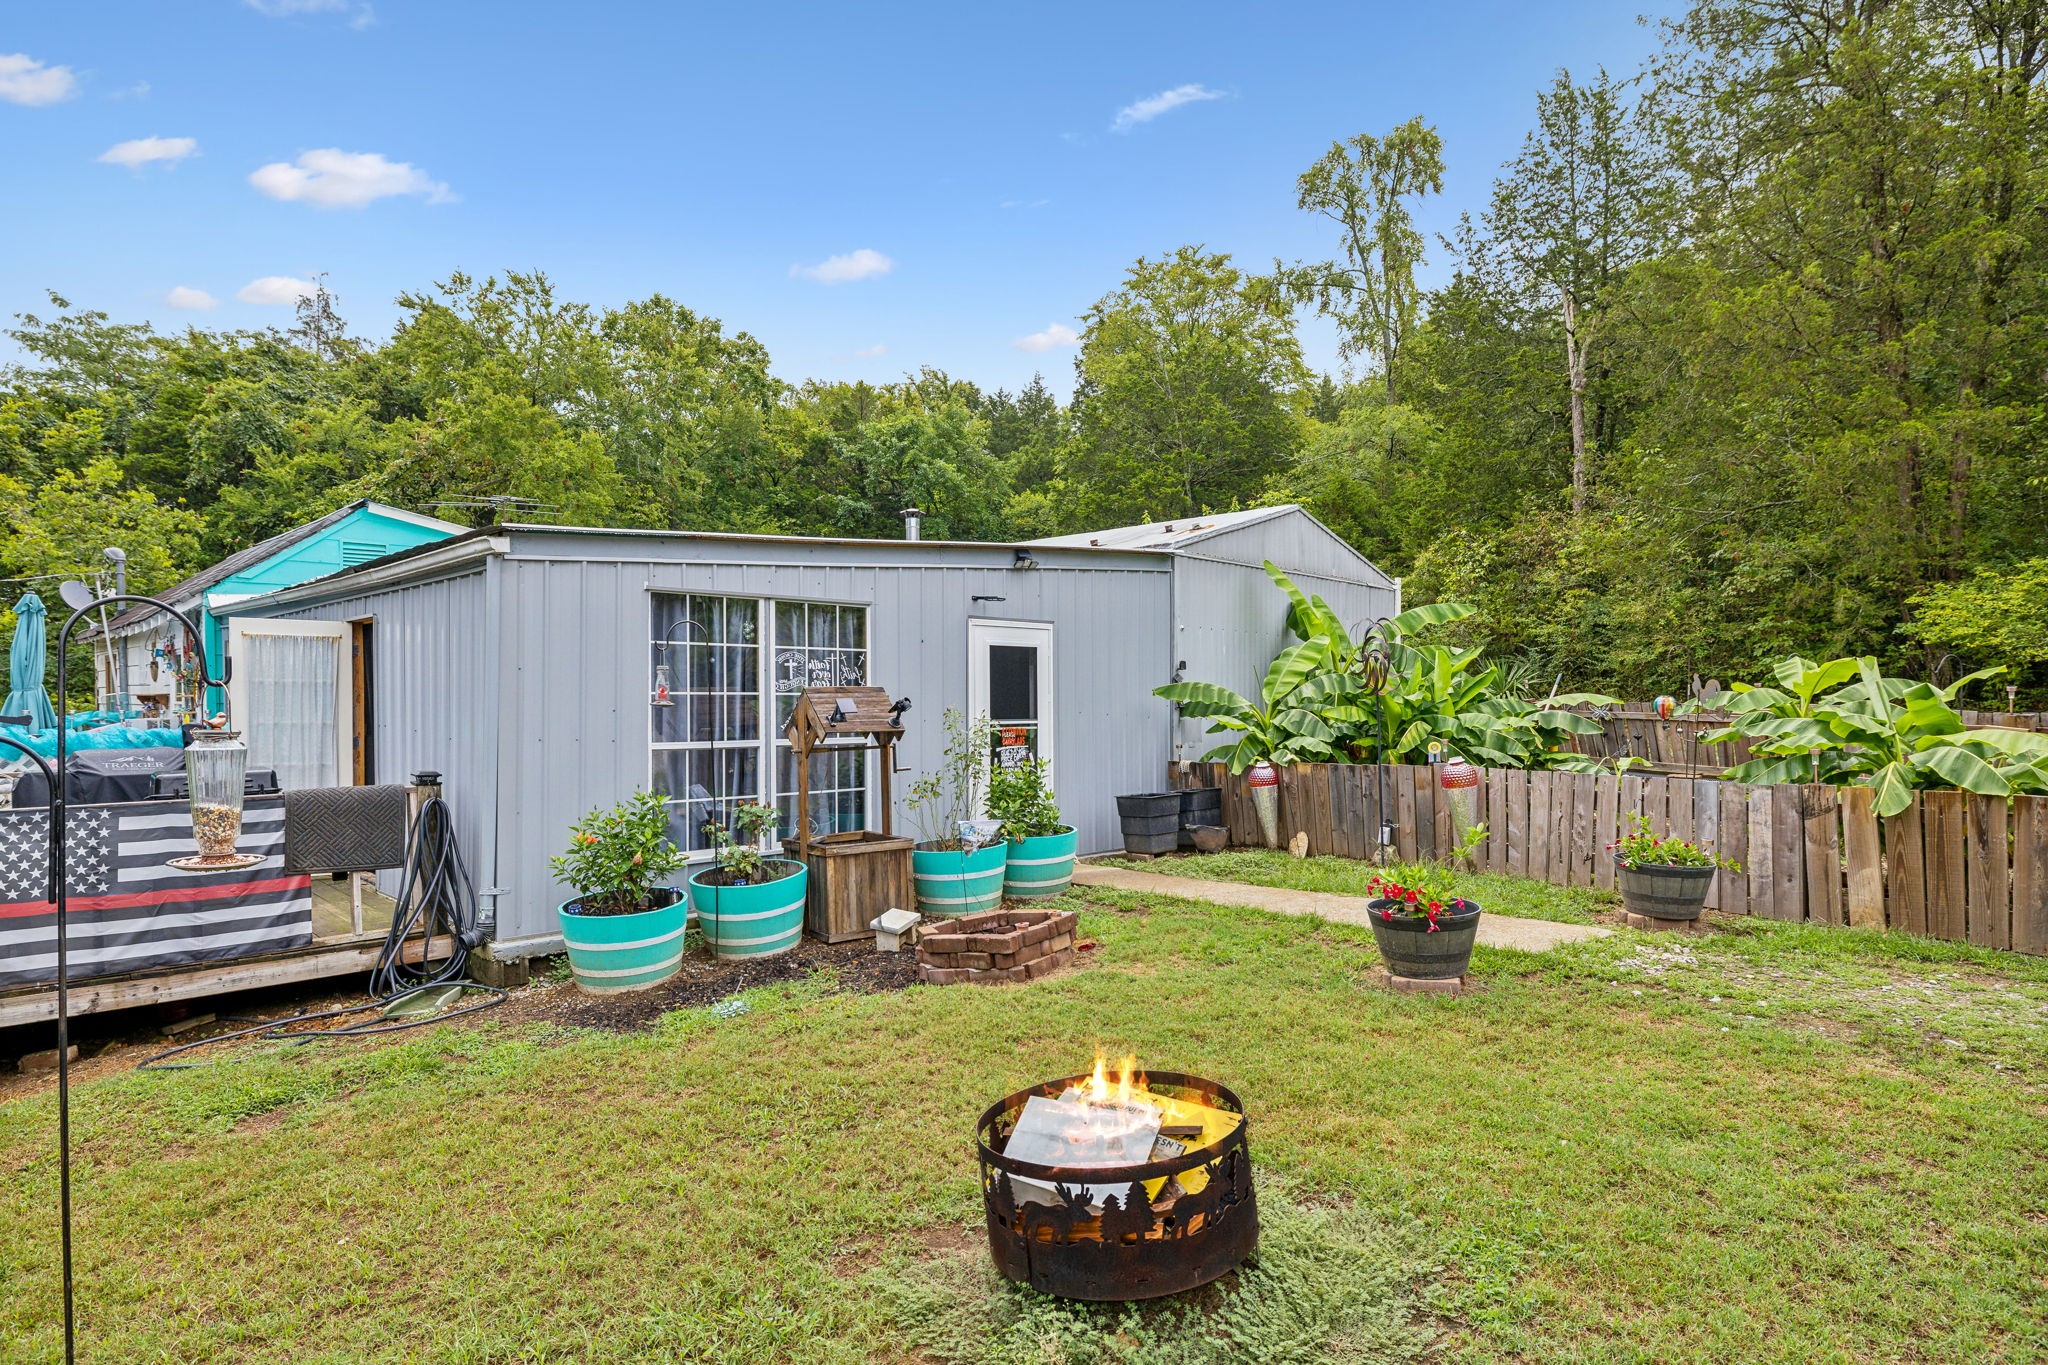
(1024,560)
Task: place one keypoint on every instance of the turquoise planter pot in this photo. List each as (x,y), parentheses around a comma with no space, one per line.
(759,920)
(1043,866)
(611,954)
(950,882)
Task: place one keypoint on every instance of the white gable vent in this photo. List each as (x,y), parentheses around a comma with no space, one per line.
(355,552)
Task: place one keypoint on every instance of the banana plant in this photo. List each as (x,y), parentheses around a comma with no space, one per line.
(1278,726)
(1892,735)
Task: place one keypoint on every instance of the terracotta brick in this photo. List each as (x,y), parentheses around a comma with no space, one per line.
(942,976)
(1066,922)
(1059,943)
(1020,957)
(1037,933)
(1051,962)
(998,976)
(979,920)
(990,943)
(979,962)
(941,943)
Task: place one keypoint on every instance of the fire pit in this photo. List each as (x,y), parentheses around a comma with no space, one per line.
(1115,1191)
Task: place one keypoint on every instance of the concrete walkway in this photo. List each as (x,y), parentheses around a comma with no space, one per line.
(1495,931)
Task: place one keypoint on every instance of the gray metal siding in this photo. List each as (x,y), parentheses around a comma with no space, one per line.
(1233,620)
(1298,543)
(431,677)
(576,677)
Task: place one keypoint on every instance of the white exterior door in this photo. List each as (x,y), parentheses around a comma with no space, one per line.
(1009,680)
(290,696)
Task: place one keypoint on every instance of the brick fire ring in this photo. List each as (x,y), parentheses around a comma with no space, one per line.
(997,946)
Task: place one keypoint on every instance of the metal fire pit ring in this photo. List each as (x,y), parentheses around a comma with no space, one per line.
(1145,1252)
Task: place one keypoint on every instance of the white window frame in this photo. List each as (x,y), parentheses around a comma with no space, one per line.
(770,742)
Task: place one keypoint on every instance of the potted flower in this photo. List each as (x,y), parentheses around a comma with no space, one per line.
(623,929)
(1664,879)
(1042,846)
(750,904)
(1424,930)
(957,868)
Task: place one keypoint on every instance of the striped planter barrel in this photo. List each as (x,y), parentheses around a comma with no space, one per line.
(610,954)
(950,882)
(759,920)
(1043,866)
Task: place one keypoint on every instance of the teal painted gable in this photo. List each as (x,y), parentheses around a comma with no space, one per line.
(363,535)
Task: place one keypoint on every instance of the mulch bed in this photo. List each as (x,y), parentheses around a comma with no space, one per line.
(856,967)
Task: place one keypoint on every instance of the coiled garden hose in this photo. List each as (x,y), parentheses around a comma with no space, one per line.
(436,899)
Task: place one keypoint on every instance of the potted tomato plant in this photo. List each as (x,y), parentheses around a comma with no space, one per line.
(1424,929)
(623,929)
(1662,878)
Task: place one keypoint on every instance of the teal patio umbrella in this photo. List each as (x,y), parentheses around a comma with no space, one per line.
(26,658)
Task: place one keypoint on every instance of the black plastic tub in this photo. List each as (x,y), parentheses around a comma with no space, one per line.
(1151,822)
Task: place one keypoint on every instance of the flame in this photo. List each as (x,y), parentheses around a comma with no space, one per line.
(1112,1100)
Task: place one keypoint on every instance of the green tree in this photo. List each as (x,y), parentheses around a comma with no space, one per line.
(1366,187)
(1191,384)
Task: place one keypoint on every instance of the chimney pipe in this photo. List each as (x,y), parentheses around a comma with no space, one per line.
(913,523)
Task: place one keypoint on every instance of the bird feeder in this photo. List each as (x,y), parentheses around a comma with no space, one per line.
(855,874)
(216,768)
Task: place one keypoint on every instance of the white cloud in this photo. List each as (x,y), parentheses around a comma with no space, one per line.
(24,80)
(185,296)
(330,178)
(870,352)
(360,14)
(140,151)
(1056,336)
(137,91)
(854,265)
(275,290)
(1152,106)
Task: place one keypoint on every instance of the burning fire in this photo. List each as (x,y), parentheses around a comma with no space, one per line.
(1130,1082)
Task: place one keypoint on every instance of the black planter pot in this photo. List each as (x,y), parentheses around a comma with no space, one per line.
(1151,822)
(1199,806)
(1411,950)
(1661,891)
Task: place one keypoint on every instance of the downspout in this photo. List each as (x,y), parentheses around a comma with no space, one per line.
(1173,658)
(490,890)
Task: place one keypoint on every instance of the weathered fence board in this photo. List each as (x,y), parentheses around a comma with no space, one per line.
(1952,865)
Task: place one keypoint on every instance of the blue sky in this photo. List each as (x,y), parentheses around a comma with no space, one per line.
(865,188)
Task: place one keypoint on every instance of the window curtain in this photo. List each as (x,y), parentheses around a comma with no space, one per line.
(293,708)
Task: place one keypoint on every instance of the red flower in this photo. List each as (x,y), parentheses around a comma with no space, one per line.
(1435,906)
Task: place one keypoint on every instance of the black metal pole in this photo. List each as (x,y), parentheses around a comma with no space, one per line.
(61,899)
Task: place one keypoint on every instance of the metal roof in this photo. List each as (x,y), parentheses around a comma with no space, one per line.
(192,589)
(1166,535)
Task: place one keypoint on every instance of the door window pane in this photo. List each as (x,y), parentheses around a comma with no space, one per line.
(1012,682)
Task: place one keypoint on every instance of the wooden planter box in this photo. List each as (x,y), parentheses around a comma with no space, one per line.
(854,877)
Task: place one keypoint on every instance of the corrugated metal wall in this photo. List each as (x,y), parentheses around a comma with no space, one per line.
(576,672)
(1233,620)
(1298,543)
(553,639)
(432,693)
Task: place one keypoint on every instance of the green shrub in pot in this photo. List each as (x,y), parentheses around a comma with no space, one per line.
(1042,845)
(623,929)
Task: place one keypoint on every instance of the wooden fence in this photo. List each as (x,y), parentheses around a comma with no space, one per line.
(1952,865)
(1634,729)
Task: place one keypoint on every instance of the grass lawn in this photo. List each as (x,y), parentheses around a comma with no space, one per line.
(1774,1144)
(1516,896)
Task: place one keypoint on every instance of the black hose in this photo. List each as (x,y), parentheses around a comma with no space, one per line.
(437,899)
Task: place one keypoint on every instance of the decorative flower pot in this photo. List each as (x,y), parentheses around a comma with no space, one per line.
(953,882)
(1043,866)
(1412,949)
(1264,780)
(1663,891)
(759,919)
(612,954)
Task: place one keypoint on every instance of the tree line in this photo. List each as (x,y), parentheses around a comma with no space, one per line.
(1744,356)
